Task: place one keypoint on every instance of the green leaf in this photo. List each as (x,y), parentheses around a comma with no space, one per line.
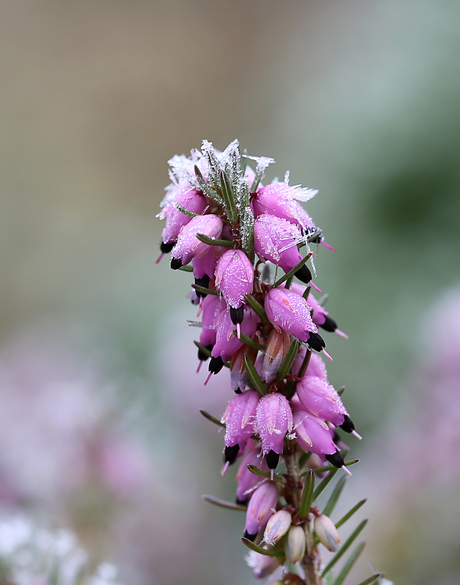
(260,550)
(203,348)
(333,499)
(260,472)
(349,564)
(291,272)
(213,419)
(343,549)
(325,482)
(186,268)
(248,341)
(223,503)
(371,579)
(288,360)
(306,292)
(304,366)
(214,242)
(350,513)
(206,291)
(185,211)
(307,498)
(256,307)
(206,187)
(229,198)
(254,376)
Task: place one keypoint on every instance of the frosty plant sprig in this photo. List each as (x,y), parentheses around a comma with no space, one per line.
(246,243)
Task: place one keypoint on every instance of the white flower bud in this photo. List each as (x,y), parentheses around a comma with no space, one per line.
(327,532)
(295,544)
(277,527)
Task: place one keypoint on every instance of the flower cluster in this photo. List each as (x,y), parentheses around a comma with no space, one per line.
(245,242)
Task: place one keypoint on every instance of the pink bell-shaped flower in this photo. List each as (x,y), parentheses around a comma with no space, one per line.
(234,277)
(187,197)
(279,199)
(289,311)
(247,480)
(276,239)
(188,245)
(321,399)
(315,366)
(273,421)
(261,507)
(239,418)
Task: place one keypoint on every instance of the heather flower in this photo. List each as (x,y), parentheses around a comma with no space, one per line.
(239,418)
(227,343)
(316,366)
(276,239)
(234,277)
(261,506)
(178,195)
(295,544)
(327,532)
(188,245)
(321,399)
(273,421)
(246,480)
(284,405)
(291,312)
(312,433)
(277,526)
(279,199)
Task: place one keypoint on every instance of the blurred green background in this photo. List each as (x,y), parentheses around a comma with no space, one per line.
(358,99)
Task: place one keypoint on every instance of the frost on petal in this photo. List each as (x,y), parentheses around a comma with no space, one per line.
(273,421)
(291,312)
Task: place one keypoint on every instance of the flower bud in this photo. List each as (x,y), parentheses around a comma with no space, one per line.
(277,526)
(277,347)
(295,544)
(262,565)
(327,532)
(261,507)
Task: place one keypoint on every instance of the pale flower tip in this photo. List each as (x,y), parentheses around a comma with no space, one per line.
(345,468)
(311,283)
(329,357)
(341,333)
(224,469)
(272,472)
(357,435)
(328,246)
(208,378)
(159,258)
(238,330)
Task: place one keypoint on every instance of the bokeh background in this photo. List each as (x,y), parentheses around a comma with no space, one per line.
(99,423)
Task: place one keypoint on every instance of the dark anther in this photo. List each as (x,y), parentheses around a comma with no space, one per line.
(250,537)
(176,263)
(165,248)
(238,391)
(316,342)
(272,459)
(329,324)
(304,274)
(216,364)
(242,502)
(236,315)
(204,282)
(231,453)
(336,459)
(204,356)
(347,424)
